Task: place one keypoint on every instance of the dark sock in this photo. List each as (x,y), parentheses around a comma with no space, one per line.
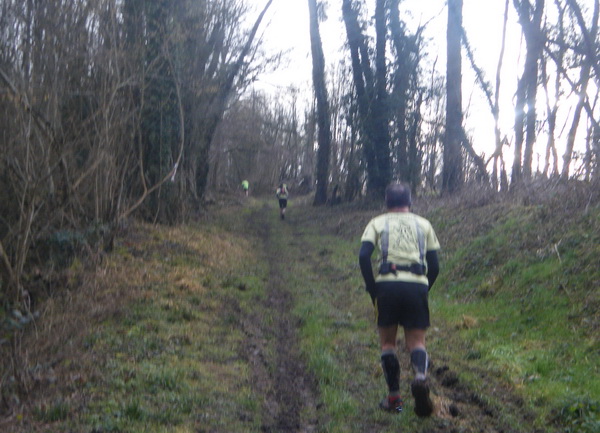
(391,370)
(418,359)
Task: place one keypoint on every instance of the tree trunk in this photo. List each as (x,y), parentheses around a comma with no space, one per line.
(581,93)
(380,107)
(371,97)
(525,117)
(496,108)
(361,73)
(588,62)
(552,108)
(452,174)
(323,122)
(400,89)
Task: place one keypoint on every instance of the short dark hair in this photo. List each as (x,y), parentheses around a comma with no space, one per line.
(397,195)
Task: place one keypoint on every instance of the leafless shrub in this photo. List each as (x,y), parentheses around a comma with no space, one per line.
(74,89)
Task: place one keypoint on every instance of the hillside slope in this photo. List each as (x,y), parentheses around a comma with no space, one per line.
(520,288)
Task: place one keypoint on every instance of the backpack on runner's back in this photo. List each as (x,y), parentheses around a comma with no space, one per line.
(282,191)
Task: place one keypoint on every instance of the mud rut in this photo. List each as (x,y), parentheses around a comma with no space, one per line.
(289,393)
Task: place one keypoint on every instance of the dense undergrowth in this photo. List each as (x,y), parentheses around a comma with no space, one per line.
(156,338)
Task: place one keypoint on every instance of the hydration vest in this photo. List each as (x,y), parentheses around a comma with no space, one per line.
(391,268)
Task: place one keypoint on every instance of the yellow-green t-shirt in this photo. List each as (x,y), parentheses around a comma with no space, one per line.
(282,193)
(403,242)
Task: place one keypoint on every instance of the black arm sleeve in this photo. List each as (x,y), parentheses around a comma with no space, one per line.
(433,267)
(364,260)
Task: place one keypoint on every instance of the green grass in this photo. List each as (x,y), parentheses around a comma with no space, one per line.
(172,361)
(529,297)
(57,411)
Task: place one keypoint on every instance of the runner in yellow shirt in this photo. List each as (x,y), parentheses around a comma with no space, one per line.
(408,267)
(282,196)
(245,186)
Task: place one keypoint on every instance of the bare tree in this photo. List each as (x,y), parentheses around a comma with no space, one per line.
(552,109)
(407,96)
(452,175)
(219,102)
(323,120)
(498,161)
(370,96)
(259,139)
(530,18)
(81,83)
(589,62)
(345,170)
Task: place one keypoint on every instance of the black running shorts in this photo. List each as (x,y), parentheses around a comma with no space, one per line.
(402,303)
(282,203)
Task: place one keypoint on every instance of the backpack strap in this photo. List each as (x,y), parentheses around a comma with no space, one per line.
(385,241)
(421,241)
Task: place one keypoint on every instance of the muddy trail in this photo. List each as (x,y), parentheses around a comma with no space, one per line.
(290,391)
(280,375)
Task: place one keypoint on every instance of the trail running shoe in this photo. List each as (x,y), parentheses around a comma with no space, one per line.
(423,403)
(391,404)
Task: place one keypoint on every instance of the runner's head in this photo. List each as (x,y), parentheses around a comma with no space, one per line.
(397,195)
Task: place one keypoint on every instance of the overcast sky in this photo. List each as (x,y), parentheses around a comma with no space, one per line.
(288,29)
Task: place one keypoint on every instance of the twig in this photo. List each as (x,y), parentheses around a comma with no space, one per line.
(556,250)
(587,206)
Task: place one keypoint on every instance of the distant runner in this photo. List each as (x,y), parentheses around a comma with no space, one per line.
(245,186)
(408,268)
(282,196)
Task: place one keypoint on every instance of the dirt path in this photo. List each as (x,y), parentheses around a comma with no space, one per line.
(289,393)
(280,374)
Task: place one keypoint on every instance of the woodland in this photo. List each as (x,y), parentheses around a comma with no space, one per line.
(115,110)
